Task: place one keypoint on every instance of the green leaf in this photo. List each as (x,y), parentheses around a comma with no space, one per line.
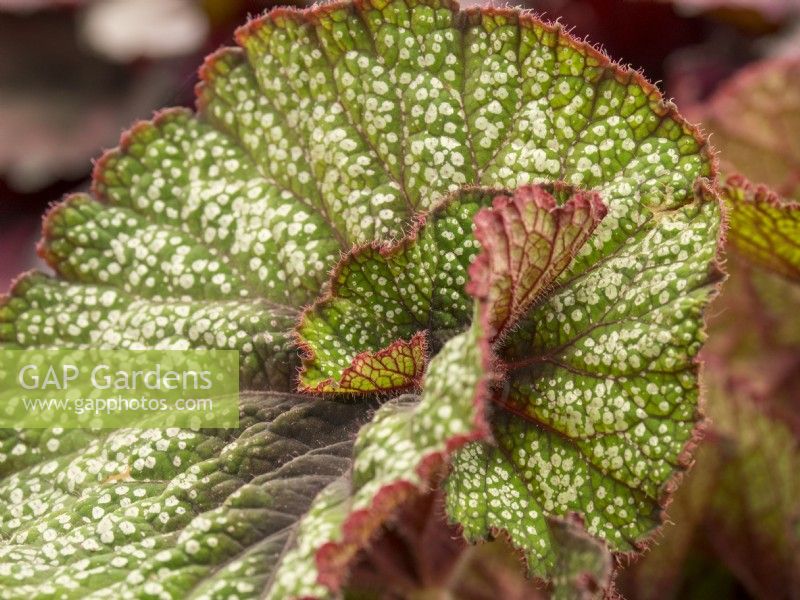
(43,312)
(600,400)
(399,453)
(334,127)
(763,227)
(383,293)
(527,242)
(148,513)
(183,175)
(738,506)
(583,567)
(398,366)
(596,407)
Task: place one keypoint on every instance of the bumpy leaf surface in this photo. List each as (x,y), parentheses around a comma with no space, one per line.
(332,127)
(764,227)
(399,453)
(176,513)
(599,397)
(384,293)
(527,243)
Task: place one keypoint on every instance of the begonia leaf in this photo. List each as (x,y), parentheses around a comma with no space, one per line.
(382,294)
(337,127)
(418,433)
(149,513)
(763,227)
(601,432)
(600,397)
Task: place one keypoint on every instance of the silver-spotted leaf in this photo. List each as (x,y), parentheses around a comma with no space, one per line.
(527,241)
(399,453)
(597,400)
(600,401)
(152,513)
(381,295)
(329,127)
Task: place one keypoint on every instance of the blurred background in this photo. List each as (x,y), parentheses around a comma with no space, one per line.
(74,73)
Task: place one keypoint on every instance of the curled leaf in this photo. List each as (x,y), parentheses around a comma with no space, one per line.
(611,457)
(527,241)
(335,127)
(383,293)
(599,403)
(400,453)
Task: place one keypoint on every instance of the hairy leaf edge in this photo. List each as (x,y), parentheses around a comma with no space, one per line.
(624,73)
(754,194)
(333,559)
(705,191)
(386,249)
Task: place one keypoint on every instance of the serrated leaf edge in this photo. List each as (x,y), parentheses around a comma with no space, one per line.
(754,194)
(480,271)
(333,558)
(387,249)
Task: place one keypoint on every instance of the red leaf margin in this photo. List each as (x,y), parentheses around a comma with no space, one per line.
(472,15)
(385,250)
(754,195)
(487,219)
(623,74)
(417,345)
(704,191)
(333,558)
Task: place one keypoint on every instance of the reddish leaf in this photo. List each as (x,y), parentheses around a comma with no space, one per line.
(754,120)
(527,240)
